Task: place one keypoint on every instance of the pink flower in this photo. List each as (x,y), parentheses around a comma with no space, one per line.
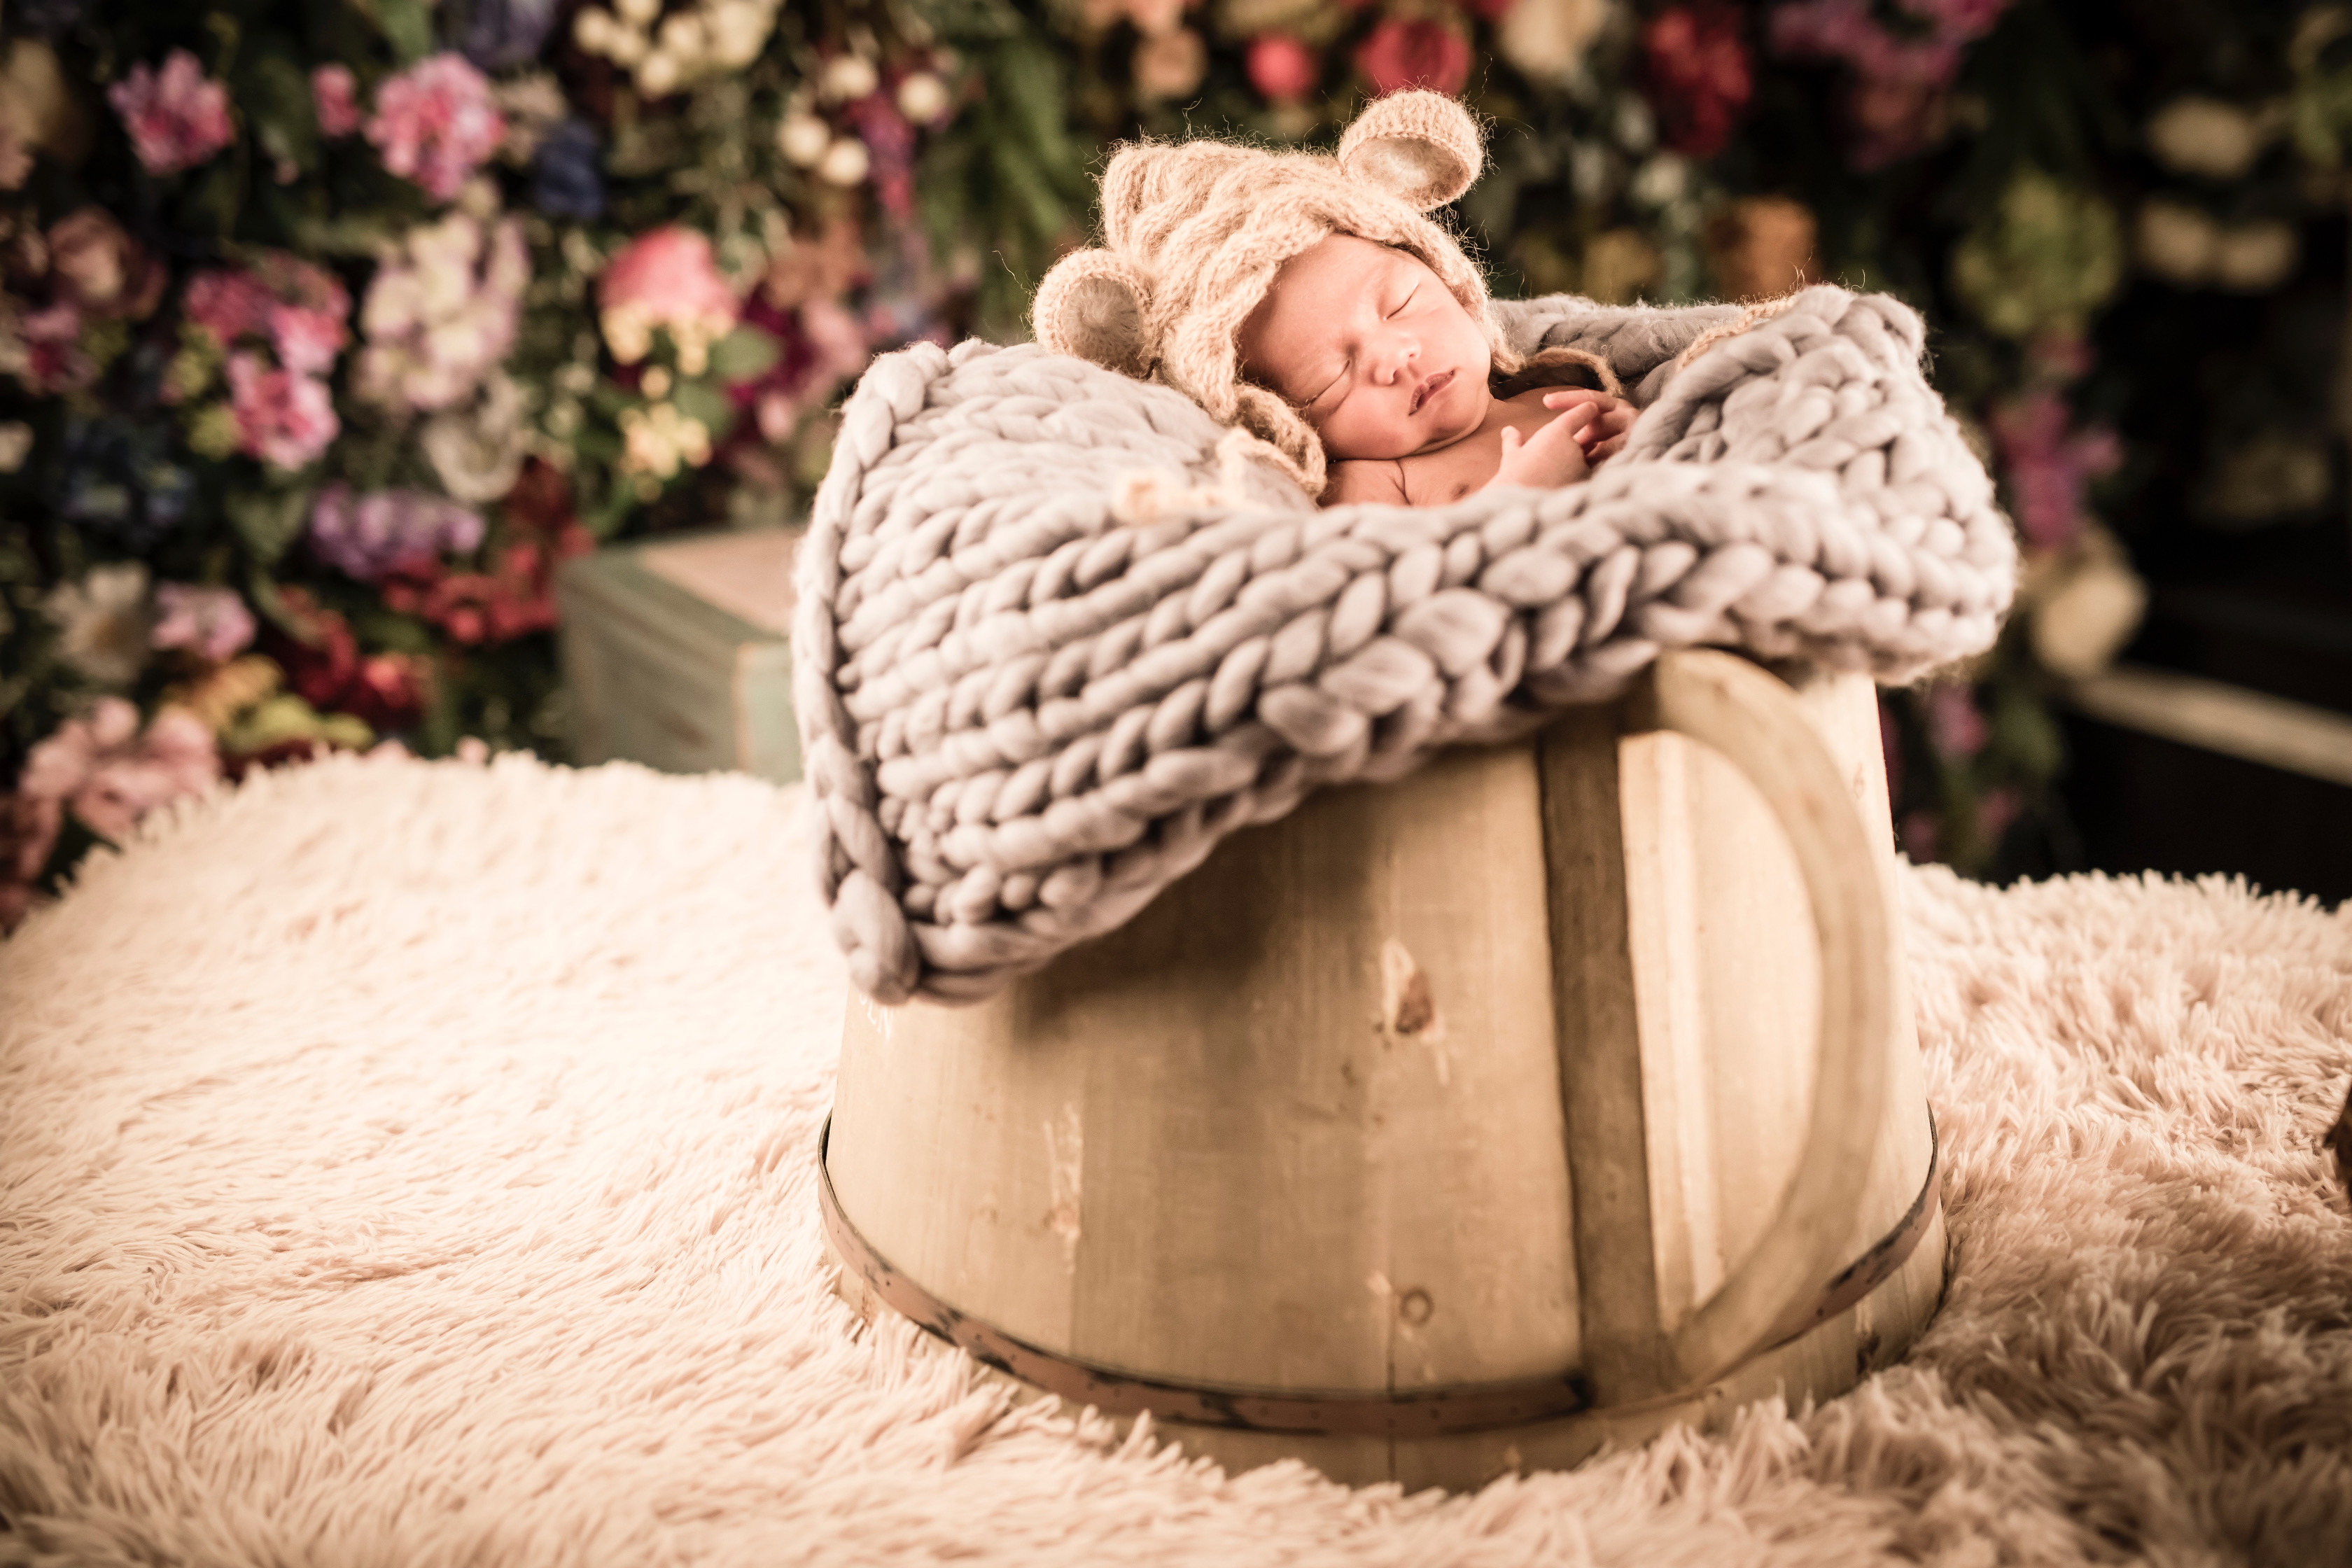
(1898,99)
(1964,19)
(211,623)
(1996,809)
(307,341)
(298,305)
(435,122)
(666,278)
(1401,54)
(284,419)
(176,120)
(228,304)
(1955,726)
(1283,69)
(28,831)
(334,96)
(2047,466)
(110,775)
(54,361)
(669,271)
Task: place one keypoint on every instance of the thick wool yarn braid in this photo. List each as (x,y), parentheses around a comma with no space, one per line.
(1023,716)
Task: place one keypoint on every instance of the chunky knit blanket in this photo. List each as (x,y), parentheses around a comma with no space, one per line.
(1056,636)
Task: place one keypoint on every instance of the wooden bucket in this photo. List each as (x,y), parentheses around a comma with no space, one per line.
(1446,1127)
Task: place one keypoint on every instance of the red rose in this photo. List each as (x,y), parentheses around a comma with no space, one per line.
(321,660)
(326,669)
(1401,54)
(1282,68)
(1697,74)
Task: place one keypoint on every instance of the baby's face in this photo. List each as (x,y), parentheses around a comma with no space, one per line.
(1375,352)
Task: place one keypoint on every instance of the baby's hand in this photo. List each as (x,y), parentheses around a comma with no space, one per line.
(1552,456)
(1612,417)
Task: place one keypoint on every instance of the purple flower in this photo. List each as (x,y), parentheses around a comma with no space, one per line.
(368,537)
(567,179)
(499,35)
(211,623)
(47,18)
(176,119)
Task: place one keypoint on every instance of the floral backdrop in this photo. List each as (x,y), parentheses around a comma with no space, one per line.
(328,331)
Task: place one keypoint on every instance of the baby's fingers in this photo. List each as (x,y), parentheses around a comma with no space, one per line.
(1510,439)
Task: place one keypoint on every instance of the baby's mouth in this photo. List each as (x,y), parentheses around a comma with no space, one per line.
(1431,388)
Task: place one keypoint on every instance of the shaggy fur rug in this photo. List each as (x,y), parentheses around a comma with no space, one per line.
(411,1164)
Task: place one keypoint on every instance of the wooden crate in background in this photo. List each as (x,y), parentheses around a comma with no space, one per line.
(678,654)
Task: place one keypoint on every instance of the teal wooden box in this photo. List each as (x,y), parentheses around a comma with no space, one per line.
(676,654)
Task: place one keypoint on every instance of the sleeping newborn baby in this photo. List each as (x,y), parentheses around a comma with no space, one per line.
(1384,364)
(1316,305)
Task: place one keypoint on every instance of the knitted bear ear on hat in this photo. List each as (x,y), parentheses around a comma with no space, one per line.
(1421,147)
(1092,304)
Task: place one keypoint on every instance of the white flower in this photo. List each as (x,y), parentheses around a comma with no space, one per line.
(593,30)
(738,31)
(1637,128)
(441,311)
(638,13)
(847,76)
(1660,182)
(2253,257)
(1544,40)
(845,163)
(683,38)
(802,140)
(2205,136)
(2176,242)
(626,46)
(532,104)
(922,98)
(658,74)
(477,451)
(2090,610)
(102,622)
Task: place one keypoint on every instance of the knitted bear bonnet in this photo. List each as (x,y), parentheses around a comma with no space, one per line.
(1193,233)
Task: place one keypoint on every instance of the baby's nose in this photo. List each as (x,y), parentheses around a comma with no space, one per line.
(1393,356)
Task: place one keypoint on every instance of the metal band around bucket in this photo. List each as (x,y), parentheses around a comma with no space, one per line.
(1404,1413)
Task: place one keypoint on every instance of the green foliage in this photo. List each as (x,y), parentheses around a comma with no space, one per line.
(2042,261)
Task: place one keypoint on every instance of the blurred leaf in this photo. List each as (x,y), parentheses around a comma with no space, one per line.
(407,25)
(212,202)
(269,522)
(2023,731)
(344,235)
(262,589)
(966,21)
(378,627)
(701,401)
(275,95)
(746,354)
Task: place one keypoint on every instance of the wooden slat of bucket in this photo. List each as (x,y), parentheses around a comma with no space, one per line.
(1727,976)
(1187,1068)
(1600,1060)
